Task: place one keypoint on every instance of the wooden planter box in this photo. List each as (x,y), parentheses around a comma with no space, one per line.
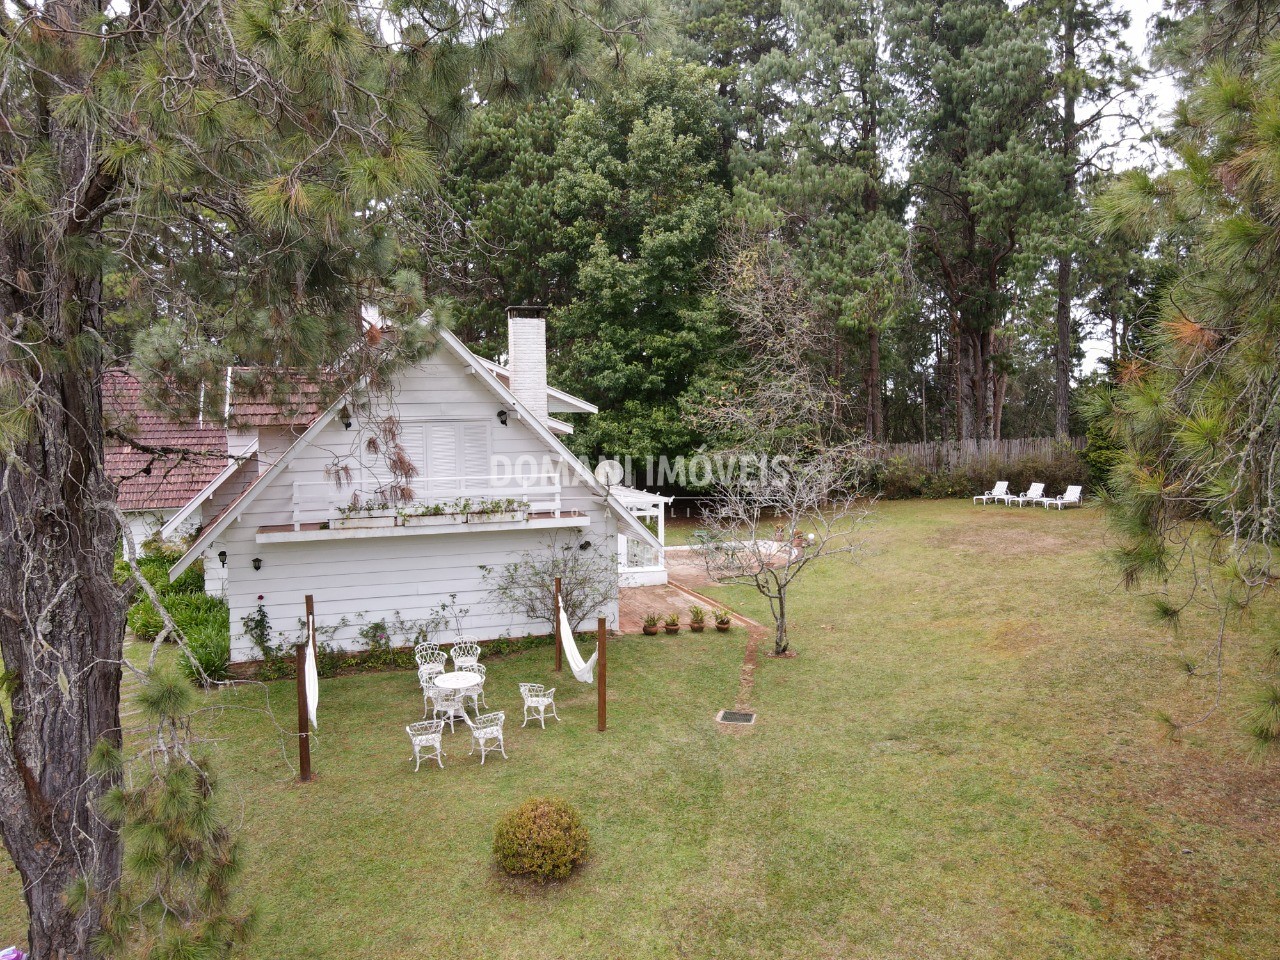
(507,516)
(363,522)
(432,520)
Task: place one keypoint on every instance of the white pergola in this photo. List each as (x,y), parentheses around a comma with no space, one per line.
(639,564)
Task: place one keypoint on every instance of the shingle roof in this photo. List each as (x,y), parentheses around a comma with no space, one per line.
(168,462)
(256,402)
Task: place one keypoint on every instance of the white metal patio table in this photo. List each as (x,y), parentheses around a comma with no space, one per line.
(458,680)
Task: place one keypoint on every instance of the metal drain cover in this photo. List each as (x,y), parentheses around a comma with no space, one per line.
(735,716)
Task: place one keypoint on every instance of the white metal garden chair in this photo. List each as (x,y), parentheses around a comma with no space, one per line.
(465,653)
(431,663)
(429,691)
(1069,499)
(999,491)
(486,733)
(424,652)
(476,693)
(1034,494)
(538,699)
(427,738)
(448,706)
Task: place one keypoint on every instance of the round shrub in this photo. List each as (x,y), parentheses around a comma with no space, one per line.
(543,839)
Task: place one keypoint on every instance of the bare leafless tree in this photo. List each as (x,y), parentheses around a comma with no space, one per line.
(766,529)
(526,586)
(790,384)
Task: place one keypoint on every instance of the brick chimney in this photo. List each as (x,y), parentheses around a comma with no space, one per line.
(527,357)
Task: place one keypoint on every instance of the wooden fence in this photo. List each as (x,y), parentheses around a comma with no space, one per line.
(938,454)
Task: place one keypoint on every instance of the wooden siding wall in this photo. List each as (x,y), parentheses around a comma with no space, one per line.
(377,577)
(939,455)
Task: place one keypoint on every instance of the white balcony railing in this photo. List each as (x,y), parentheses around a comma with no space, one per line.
(321,501)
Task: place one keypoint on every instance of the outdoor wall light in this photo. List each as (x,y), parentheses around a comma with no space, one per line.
(502,417)
(585,545)
(257,563)
(345,416)
(222,557)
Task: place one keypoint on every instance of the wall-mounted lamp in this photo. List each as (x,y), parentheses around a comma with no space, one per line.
(257,563)
(502,417)
(222,557)
(585,545)
(345,416)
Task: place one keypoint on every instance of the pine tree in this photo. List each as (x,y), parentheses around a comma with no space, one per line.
(640,191)
(986,182)
(1196,407)
(241,170)
(821,181)
(1091,70)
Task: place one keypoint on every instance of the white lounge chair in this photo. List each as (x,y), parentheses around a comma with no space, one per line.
(1069,499)
(538,700)
(486,733)
(426,736)
(1000,490)
(1034,494)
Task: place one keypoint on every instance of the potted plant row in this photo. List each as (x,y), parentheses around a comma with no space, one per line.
(430,515)
(365,514)
(378,513)
(496,511)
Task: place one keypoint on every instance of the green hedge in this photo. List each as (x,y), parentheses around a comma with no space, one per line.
(896,479)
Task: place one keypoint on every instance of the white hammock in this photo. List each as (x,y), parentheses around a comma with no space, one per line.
(310,675)
(582,669)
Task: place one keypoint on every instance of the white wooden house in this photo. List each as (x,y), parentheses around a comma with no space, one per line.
(277,523)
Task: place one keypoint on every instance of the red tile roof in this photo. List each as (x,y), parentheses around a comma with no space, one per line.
(168,462)
(259,402)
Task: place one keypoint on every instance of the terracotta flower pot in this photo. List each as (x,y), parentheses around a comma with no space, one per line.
(697,627)
(672,629)
(650,631)
(723,627)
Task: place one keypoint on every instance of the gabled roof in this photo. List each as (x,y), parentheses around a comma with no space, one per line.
(168,461)
(557,400)
(174,523)
(450,342)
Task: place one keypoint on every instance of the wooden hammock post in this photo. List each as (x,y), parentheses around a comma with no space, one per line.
(559,639)
(601,639)
(304,725)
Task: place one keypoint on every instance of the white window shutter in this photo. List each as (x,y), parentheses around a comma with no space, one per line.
(475,455)
(442,457)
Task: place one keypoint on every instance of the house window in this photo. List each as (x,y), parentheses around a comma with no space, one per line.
(451,456)
(459,456)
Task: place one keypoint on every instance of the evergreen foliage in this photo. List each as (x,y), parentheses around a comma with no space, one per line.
(1196,409)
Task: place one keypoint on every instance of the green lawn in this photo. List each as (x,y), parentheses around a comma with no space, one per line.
(962,762)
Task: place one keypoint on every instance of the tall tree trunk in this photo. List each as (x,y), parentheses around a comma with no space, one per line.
(61,633)
(61,613)
(1066,291)
(1001,384)
(1062,351)
(987,409)
(875,396)
(965,385)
